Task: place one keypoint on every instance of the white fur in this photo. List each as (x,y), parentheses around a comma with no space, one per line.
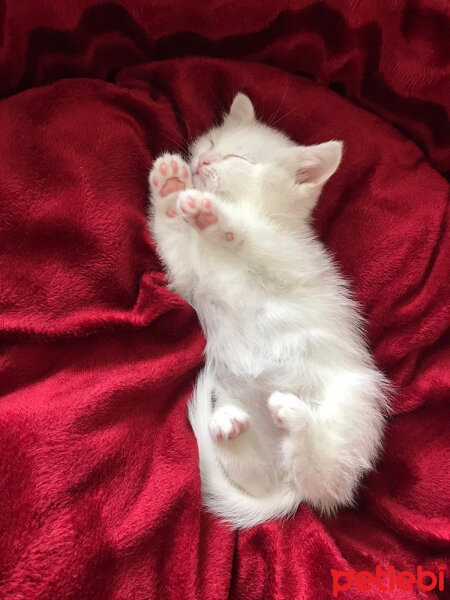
(287,370)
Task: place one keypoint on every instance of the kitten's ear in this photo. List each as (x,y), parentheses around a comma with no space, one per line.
(314,164)
(241,110)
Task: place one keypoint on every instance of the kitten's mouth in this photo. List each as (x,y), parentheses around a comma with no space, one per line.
(198,180)
(205,179)
(201,177)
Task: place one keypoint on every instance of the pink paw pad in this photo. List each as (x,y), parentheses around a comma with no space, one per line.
(169,176)
(198,210)
(228,422)
(203,220)
(289,412)
(233,430)
(172,185)
(229,236)
(171,214)
(237,428)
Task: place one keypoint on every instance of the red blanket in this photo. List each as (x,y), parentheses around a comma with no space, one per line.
(99,483)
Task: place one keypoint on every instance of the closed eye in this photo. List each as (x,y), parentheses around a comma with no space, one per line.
(235,156)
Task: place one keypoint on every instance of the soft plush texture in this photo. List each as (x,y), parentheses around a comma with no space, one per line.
(100,491)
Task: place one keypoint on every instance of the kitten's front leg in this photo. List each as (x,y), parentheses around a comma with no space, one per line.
(209,215)
(169,176)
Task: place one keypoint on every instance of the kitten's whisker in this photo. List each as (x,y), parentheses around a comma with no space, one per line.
(178,145)
(188,129)
(284,116)
(275,114)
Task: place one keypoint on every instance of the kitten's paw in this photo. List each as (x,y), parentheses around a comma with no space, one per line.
(289,411)
(170,174)
(197,208)
(200,211)
(228,422)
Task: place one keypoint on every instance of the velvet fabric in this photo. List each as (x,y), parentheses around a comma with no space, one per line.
(99,482)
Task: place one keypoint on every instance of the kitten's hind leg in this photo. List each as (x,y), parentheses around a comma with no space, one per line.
(327,449)
(237,445)
(228,422)
(290,412)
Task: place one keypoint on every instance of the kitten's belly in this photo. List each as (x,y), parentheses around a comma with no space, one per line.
(271,353)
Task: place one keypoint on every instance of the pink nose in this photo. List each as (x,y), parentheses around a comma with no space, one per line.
(203,161)
(206,159)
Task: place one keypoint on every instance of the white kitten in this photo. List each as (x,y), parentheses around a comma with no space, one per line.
(289,405)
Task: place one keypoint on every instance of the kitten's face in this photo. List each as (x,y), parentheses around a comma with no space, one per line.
(244,159)
(233,157)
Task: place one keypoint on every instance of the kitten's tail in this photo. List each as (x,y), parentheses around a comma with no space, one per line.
(220,495)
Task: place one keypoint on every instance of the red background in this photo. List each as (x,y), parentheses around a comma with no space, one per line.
(100,493)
